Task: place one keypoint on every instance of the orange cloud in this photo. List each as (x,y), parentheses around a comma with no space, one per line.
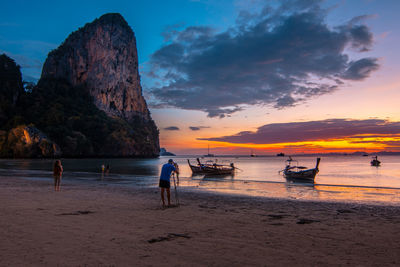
(334,135)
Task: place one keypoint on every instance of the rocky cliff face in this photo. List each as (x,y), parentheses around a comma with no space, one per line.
(10,87)
(102,56)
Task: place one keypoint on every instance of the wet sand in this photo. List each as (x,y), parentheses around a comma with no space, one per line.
(103,225)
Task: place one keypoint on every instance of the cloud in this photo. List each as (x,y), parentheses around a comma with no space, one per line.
(388,143)
(197,128)
(360,69)
(280,56)
(171,30)
(312,131)
(172,128)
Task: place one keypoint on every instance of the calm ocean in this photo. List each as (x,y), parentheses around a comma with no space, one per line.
(341,178)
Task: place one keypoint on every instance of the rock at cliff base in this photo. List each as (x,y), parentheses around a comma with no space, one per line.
(29,142)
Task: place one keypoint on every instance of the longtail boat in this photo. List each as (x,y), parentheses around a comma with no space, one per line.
(211,168)
(294,172)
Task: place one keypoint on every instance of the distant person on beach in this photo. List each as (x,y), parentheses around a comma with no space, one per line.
(57,173)
(102,172)
(177,172)
(165,184)
(107,168)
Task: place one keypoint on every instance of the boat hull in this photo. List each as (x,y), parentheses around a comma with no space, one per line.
(375,163)
(308,175)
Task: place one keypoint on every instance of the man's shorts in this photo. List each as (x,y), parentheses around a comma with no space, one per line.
(164,184)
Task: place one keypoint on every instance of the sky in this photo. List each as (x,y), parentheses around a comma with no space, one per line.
(295,76)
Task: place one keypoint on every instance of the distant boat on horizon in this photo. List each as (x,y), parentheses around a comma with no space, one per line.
(252,154)
(280,154)
(375,162)
(208,155)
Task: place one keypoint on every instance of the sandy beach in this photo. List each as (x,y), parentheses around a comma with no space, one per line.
(103,225)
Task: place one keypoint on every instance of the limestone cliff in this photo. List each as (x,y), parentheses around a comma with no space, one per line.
(102,56)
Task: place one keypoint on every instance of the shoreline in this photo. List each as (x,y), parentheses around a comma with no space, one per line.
(107,225)
(252,189)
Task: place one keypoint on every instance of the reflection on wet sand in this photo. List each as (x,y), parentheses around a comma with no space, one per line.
(218,177)
(214,182)
(299,182)
(297,190)
(341,193)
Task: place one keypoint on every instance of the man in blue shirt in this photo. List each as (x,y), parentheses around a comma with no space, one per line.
(165,184)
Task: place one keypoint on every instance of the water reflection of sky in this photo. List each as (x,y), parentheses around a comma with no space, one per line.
(340,178)
(303,191)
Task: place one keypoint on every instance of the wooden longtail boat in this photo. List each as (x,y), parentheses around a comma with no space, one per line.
(212,168)
(295,172)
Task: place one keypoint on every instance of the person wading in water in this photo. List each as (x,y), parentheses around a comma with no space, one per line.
(57,173)
(165,184)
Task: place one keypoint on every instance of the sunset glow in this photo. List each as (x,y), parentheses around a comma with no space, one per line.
(218,69)
(348,145)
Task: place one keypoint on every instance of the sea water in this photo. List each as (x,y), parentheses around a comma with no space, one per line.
(341,178)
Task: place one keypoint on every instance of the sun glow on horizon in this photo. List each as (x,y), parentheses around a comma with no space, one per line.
(366,143)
